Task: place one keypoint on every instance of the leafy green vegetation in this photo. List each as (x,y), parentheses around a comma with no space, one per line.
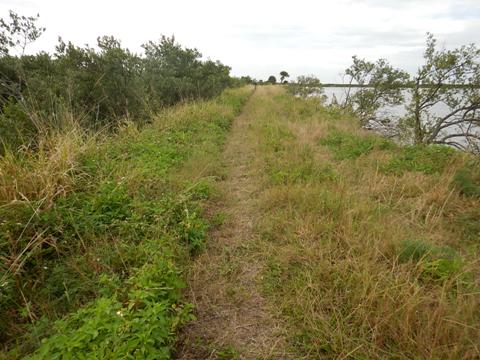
(436,262)
(98,88)
(96,270)
(467,179)
(426,159)
(350,146)
(138,324)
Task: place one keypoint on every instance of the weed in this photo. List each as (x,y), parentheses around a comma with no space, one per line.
(426,159)
(96,232)
(227,353)
(350,146)
(439,263)
(467,179)
(414,250)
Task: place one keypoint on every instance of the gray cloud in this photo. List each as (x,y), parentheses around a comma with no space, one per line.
(401,37)
(261,37)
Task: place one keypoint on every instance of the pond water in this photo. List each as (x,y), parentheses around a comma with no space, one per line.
(394,113)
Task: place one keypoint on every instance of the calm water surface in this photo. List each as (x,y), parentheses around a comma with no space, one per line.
(394,112)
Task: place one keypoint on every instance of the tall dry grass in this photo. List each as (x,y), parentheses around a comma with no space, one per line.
(336,231)
(46,170)
(33,177)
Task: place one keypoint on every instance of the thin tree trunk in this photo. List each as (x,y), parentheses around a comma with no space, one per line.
(418,138)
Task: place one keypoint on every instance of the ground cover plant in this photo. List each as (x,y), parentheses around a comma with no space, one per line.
(94,266)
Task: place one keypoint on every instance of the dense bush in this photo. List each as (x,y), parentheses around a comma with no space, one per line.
(97,86)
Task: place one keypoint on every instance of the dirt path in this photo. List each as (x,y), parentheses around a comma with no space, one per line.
(233,320)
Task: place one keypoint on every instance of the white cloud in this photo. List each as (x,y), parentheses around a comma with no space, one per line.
(264,37)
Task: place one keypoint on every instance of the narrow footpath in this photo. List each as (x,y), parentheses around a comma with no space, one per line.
(233,319)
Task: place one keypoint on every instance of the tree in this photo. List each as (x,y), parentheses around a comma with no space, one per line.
(283,76)
(306,86)
(98,86)
(175,73)
(16,118)
(18,32)
(241,81)
(376,85)
(451,79)
(272,79)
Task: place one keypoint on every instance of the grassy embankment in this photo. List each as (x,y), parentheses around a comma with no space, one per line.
(95,233)
(371,248)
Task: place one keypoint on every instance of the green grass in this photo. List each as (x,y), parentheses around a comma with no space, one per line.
(346,145)
(99,269)
(467,179)
(426,159)
(370,249)
(438,263)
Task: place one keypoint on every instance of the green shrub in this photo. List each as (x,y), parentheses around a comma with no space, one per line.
(140,326)
(467,179)
(441,269)
(414,250)
(349,146)
(16,128)
(108,83)
(426,159)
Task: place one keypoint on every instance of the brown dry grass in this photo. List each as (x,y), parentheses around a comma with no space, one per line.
(333,233)
(44,173)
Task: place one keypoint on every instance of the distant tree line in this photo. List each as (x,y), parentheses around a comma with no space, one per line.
(98,86)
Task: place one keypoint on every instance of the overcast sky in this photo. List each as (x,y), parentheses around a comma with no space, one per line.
(260,38)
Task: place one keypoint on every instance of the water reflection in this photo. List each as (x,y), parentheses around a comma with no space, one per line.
(394,113)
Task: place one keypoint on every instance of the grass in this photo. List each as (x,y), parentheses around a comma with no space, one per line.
(364,249)
(95,233)
(346,145)
(467,179)
(426,159)
(371,248)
